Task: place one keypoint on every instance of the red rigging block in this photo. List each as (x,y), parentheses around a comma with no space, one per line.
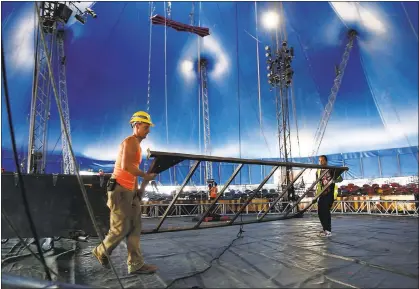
(160,20)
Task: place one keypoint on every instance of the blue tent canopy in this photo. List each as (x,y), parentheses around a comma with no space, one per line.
(108,61)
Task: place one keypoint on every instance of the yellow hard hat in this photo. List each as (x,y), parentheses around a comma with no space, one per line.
(141,116)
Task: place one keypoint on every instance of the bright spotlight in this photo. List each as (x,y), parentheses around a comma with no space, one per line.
(187,66)
(270,20)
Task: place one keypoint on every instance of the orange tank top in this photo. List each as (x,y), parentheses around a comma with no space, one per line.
(213,192)
(123,177)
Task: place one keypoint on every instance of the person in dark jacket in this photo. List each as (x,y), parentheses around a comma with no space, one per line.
(326,200)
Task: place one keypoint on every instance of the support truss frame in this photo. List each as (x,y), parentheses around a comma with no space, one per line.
(164,160)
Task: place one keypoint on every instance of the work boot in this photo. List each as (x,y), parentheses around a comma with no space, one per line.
(103,260)
(325,233)
(145,269)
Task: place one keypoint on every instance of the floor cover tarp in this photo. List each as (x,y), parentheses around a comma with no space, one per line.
(364,251)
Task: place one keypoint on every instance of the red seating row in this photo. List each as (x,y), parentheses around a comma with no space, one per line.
(375,189)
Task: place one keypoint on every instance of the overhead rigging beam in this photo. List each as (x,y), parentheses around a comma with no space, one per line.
(340,70)
(160,20)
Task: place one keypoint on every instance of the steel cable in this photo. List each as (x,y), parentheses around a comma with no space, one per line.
(79,179)
(20,178)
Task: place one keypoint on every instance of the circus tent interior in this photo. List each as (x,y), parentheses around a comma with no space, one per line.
(271,82)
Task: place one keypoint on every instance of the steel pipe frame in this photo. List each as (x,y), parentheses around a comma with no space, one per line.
(348,203)
(236,171)
(368,204)
(172,203)
(282,194)
(253,195)
(285,216)
(202,158)
(315,198)
(311,187)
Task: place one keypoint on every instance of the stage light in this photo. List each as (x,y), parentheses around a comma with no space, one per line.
(91,12)
(187,66)
(80,18)
(270,20)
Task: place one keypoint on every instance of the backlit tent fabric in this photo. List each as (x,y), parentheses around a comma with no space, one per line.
(108,66)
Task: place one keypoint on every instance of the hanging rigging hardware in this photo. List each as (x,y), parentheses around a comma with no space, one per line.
(160,20)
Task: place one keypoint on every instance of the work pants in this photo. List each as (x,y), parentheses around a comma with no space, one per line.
(324,204)
(125,221)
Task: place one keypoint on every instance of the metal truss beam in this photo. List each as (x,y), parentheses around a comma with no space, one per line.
(52,27)
(68,165)
(282,194)
(164,160)
(41,97)
(253,195)
(206,116)
(161,158)
(340,70)
(220,193)
(172,203)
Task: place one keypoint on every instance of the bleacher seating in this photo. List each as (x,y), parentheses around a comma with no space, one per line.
(377,190)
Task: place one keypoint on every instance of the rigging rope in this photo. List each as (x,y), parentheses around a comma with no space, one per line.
(283,26)
(192,15)
(238,87)
(258,68)
(21,183)
(293,101)
(167,12)
(379,109)
(169,9)
(199,95)
(294,111)
(238,84)
(9,222)
(151,9)
(247,90)
(410,22)
(73,158)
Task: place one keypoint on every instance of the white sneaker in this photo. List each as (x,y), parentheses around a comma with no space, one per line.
(325,234)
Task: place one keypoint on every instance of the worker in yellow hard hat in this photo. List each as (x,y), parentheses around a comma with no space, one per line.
(124,198)
(141,117)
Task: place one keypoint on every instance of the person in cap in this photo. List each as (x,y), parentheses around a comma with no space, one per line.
(124,199)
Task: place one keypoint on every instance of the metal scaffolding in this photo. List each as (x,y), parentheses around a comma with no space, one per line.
(206,116)
(68,165)
(164,161)
(41,93)
(332,97)
(280,74)
(52,17)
